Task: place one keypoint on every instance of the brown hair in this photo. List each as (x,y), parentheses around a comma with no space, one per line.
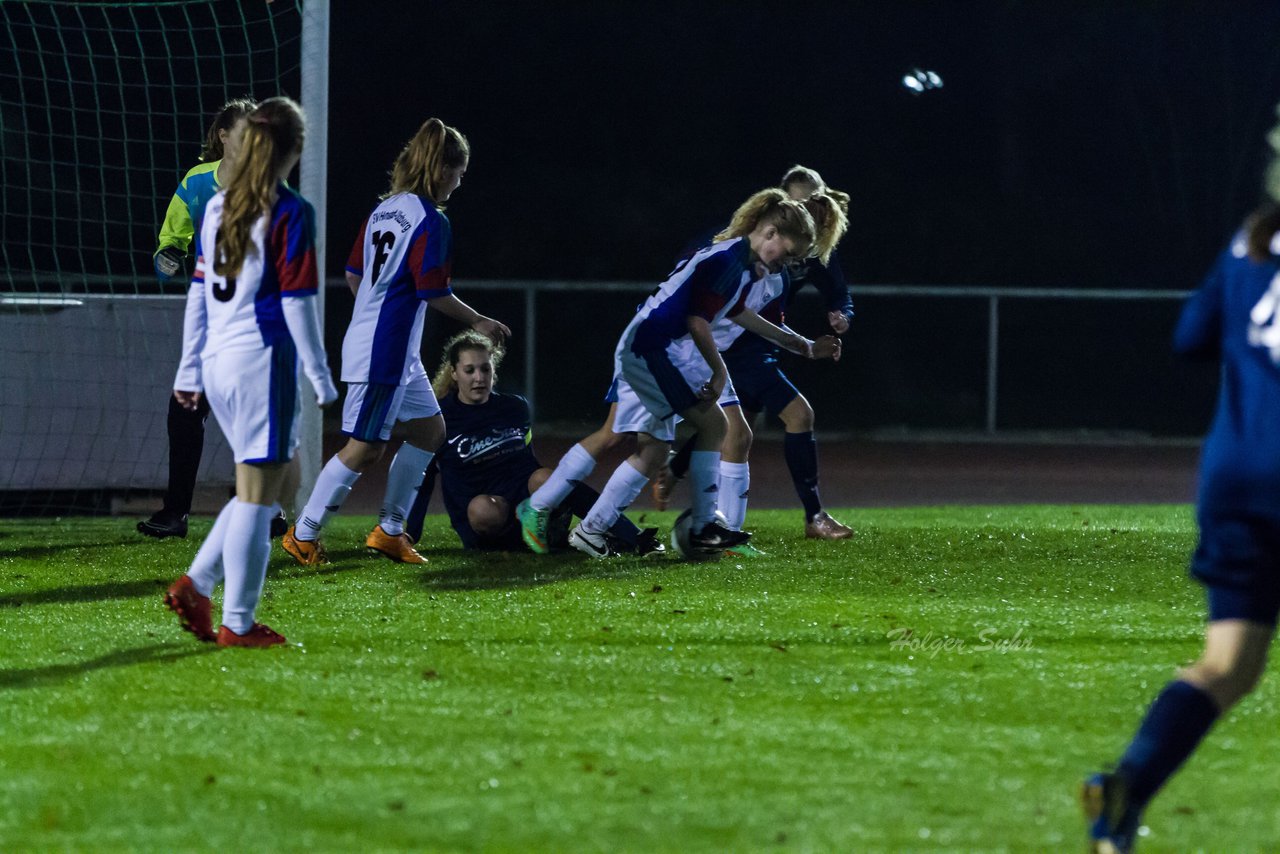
(275,131)
(468,339)
(773,207)
(228,115)
(802,175)
(419,168)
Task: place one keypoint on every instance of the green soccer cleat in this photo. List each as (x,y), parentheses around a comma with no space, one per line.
(533,526)
(745,550)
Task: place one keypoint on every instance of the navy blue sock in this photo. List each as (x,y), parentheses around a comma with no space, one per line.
(1174,725)
(801,452)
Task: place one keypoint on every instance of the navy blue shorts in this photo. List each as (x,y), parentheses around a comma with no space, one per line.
(1238,560)
(760,385)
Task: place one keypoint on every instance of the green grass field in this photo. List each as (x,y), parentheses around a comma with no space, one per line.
(940,683)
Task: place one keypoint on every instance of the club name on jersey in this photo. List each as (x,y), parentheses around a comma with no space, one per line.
(474,446)
(399,217)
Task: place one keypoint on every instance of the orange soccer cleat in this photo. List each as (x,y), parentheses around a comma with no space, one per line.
(305,552)
(397,547)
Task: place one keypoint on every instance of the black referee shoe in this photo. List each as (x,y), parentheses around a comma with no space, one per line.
(164,524)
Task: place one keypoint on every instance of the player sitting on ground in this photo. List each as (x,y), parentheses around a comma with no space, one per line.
(486,465)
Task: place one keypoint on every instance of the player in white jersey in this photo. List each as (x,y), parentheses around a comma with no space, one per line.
(651,389)
(400,264)
(250,317)
(767,297)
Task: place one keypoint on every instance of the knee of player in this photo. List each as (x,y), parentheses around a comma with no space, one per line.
(798,416)
(538,478)
(359,456)
(487,514)
(738,435)
(427,433)
(1227,682)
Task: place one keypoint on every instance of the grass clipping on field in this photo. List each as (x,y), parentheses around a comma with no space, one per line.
(941,682)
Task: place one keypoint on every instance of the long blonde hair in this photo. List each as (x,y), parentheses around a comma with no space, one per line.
(830,211)
(275,130)
(442,384)
(420,165)
(773,207)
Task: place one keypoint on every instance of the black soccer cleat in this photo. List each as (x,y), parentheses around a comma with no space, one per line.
(164,524)
(279,526)
(715,537)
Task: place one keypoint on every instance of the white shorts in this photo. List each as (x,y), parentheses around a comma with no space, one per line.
(696,369)
(371,409)
(632,416)
(254,396)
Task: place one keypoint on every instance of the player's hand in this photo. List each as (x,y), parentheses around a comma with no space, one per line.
(494,329)
(326,391)
(188,400)
(839,323)
(170,261)
(712,388)
(827,347)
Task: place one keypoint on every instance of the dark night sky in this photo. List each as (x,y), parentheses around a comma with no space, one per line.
(1096,145)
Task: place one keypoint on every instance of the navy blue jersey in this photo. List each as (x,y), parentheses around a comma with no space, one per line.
(486,452)
(1236,316)
(829,282)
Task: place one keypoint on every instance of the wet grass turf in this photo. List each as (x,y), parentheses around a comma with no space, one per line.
(940,683)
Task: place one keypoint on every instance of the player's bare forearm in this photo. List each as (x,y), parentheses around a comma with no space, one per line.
(451,306)
(700,332)
(784,338)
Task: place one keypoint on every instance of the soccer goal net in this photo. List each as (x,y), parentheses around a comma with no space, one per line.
(104,107)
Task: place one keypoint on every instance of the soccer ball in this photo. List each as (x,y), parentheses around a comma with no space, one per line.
(680,533)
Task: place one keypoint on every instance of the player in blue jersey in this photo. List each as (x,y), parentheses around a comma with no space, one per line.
(181,222)
(402,262)
(251,318)
(486,465)
(760,383)
(651,387)
(1235,318)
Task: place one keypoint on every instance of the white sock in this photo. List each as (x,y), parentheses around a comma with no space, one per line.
(573,467)
(704,477)
(244,554)
(623,487)
(332,488)
(735,480)
(206,569)
(403,481)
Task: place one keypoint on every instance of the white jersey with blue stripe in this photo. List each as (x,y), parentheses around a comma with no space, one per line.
(708,284)
(244,313)
(403,257)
